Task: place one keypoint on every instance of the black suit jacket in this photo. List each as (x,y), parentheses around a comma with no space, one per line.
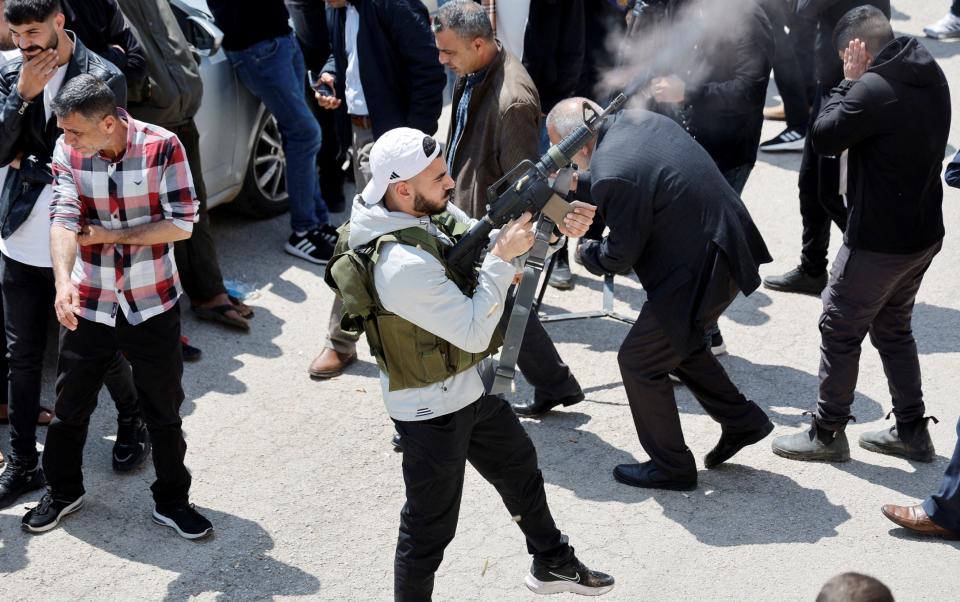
(25,130)
(400,70)
(671,215)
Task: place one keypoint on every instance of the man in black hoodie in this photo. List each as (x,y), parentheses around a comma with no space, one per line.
(888,121)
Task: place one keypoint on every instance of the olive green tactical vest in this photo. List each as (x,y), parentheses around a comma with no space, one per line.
(411,356)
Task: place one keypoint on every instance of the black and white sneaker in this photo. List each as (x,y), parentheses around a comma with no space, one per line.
(132,446)
(717,346)
(789,140)
(16,480)
(314,246)
(329,234)
(572,577)
(48,513)
(185,520)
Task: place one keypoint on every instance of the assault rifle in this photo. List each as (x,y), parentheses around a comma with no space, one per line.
(526,188)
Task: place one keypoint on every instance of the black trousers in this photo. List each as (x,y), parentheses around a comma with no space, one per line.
(738,176)
(820,202)
(196,256)
(28,293)
(871,293)
(955,7)
(944,506)
(646,358)
(487,434)
(792,83)
(153,348)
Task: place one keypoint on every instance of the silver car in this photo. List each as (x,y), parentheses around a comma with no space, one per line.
(243,160)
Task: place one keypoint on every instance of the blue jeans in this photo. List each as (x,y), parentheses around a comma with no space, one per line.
(944,507)
(274,71)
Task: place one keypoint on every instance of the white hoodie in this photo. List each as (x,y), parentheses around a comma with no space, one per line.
(412,284)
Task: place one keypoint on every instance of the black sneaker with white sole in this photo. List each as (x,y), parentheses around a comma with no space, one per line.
(48,513)
(184,519)
(329,234)
(314,246)
(717,346)
(16,480)
(132,446)
(572,577)
(789,140)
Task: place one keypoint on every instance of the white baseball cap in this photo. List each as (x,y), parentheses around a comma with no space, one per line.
(398,155)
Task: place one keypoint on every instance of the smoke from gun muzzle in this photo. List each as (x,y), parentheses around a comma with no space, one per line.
(683,39)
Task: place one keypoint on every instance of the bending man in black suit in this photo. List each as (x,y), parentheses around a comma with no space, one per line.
(687,235)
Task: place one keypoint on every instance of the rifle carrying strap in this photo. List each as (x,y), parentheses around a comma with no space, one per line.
(520,315)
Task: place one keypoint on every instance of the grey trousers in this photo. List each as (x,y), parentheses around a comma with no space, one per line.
(871,293)
(338,340)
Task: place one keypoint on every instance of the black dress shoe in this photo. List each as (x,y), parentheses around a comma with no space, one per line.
(731,443)
(536,408)
(797,280)
(649,476)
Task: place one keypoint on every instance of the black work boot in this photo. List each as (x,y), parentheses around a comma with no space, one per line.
(816,444)
(910,440)
(797,280)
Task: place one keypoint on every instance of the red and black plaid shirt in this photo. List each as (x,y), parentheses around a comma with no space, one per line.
(150,182)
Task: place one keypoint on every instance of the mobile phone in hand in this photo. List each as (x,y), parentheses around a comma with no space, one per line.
(318,86)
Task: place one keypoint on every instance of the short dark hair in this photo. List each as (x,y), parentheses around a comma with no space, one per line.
(465,18)
(19,12)
(869,24)
(854,587)
(86,95)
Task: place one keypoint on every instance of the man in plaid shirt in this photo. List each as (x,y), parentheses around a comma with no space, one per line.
(124,194)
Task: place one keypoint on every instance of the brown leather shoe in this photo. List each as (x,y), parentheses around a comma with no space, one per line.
(915,519)
(330,364)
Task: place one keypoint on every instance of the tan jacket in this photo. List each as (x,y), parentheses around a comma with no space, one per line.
(503,128)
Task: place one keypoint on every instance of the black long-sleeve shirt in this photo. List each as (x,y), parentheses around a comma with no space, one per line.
(101,27)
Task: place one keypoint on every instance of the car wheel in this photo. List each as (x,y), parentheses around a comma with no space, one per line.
(264,191)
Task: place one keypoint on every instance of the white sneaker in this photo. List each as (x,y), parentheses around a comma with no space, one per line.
(947,27)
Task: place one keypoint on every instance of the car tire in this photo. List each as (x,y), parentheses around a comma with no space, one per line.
(264,192)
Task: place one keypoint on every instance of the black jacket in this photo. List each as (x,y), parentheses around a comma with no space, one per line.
(553,48)
(727,89)
(894,121)
(248,22)
(399,64)
(30,134)
(670,214)
(310,24)
(100,25)
(828,66)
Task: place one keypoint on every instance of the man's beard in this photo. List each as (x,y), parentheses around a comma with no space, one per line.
(425,207)
(34,50)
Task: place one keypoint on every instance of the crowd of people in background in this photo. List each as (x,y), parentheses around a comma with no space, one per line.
(102,87)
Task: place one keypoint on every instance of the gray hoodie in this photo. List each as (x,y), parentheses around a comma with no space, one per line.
(412,284)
